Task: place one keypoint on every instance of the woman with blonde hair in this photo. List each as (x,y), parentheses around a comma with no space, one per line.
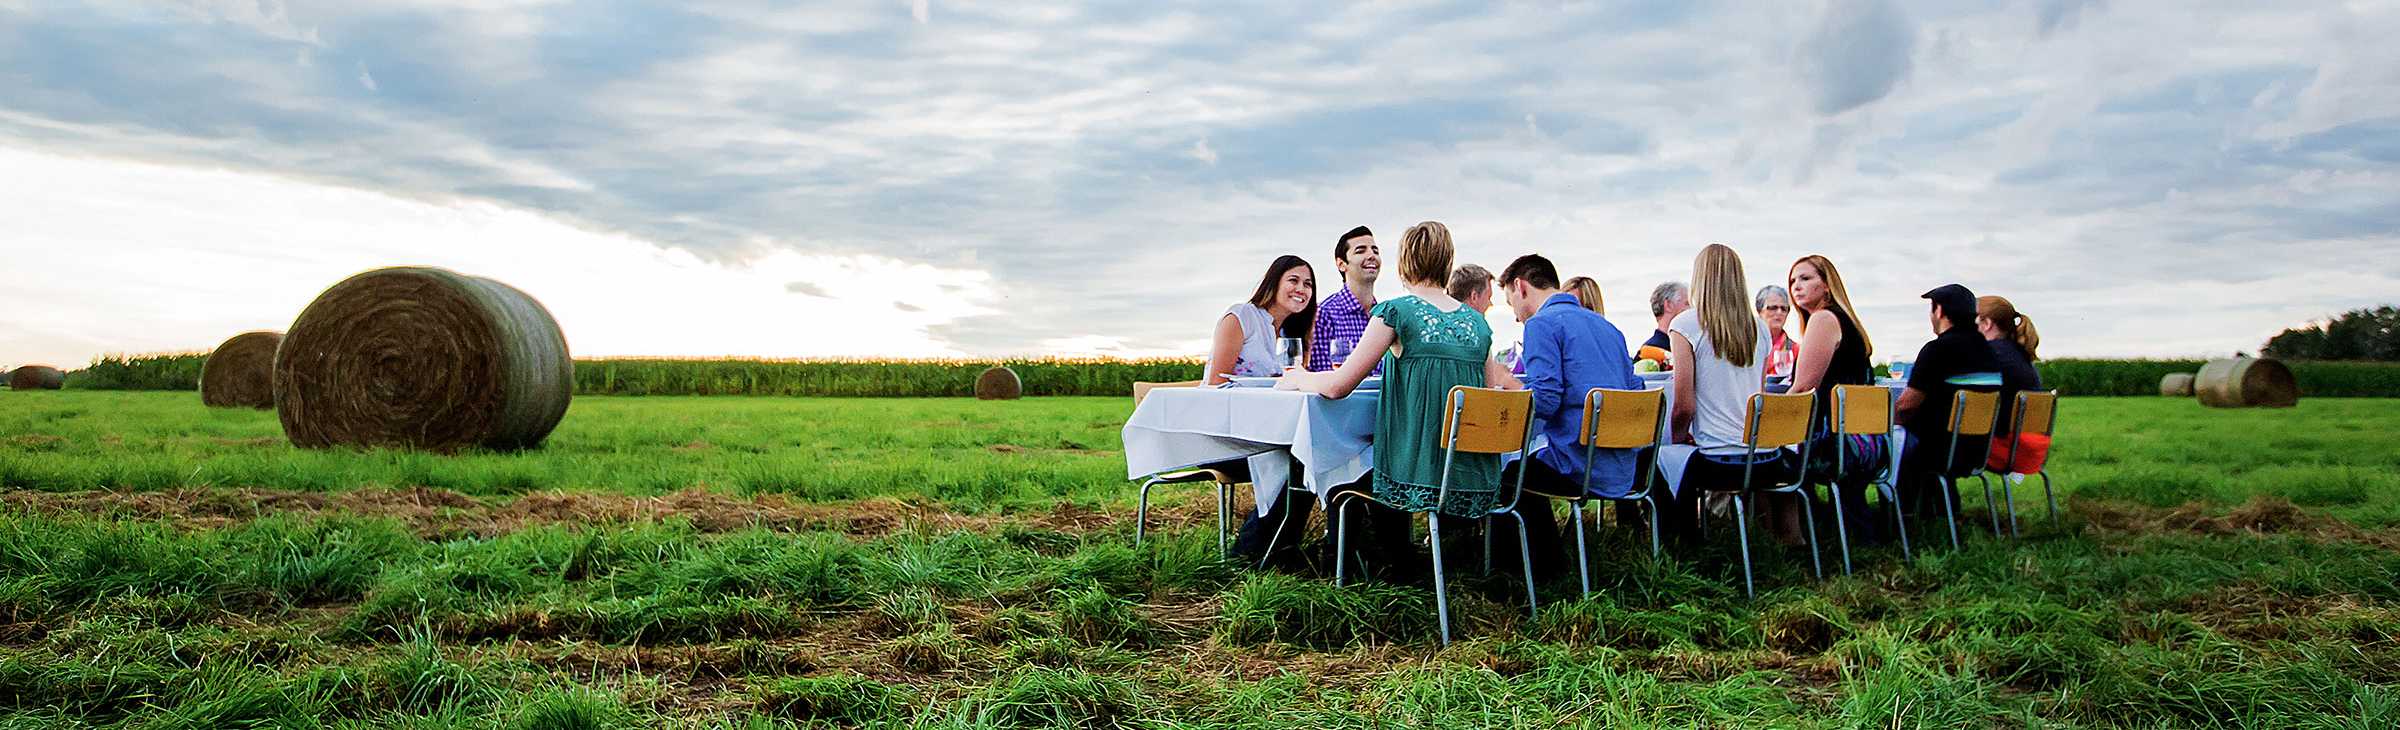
(1437,342)
(1719,349)
(1833,351)
(1587,292)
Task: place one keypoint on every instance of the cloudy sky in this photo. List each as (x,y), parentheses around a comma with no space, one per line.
(935,178)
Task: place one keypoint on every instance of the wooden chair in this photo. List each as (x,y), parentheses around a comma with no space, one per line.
(1864,410)
(2036,413)
(1475,421)
(1612,419)
(1141,514)
(1774,421)
(1973,413)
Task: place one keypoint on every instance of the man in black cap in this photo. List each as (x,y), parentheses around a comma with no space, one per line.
(1957,359)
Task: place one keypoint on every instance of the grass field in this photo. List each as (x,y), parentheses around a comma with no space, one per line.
(777,562)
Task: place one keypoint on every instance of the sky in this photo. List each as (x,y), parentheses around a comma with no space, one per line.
(939,179)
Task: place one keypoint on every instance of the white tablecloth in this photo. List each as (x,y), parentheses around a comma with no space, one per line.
(1182,428)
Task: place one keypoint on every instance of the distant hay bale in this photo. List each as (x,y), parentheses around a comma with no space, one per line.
(2245,382)
(2176,385)
(241,372)
(999,383)
(36,377)
(422,358)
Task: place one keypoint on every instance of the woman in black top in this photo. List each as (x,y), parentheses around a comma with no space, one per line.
(1833,346)
(2013,340)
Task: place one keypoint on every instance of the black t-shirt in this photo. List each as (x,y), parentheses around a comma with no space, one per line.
(1957,353)
(2016,374)
(1848,366)
(1658,339)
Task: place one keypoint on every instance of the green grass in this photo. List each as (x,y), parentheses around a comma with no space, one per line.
(243,610)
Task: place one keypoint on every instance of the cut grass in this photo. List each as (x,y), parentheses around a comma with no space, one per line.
(2128,615)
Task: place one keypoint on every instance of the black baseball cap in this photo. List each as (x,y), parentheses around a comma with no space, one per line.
(1957,303)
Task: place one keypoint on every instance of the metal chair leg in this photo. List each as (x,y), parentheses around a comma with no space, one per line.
(1840,529)
(1742,534)
(2009,496)
(1583,557)
(1224,517)
(1990,507)
(1341,539)
(1141,512)
(1891,494)
(2047,495)
(1525,554)
(1277,536)
(1441,585)
(1950,508)
(1656,550)
(1808,521)
(1487,546)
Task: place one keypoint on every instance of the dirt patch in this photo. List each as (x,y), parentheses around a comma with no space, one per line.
(2262,515)
(440,513)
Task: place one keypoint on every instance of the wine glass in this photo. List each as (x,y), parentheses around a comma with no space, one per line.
(1339,351)
(1289,350)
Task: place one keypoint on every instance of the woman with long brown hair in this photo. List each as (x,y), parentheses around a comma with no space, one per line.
(2013,340)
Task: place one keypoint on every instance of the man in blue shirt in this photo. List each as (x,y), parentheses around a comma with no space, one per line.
(1568,351)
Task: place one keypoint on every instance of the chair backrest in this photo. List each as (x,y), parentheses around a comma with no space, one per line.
(1622,419)
(1864,410)
(1142,390)
(1489,420)
(2037,411)
(1777,420)
(1974,412)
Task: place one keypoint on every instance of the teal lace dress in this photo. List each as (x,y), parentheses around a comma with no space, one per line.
(1437,350)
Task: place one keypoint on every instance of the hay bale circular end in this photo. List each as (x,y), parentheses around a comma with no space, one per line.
(999,383)
(2176,385)
(36,377)
(241,372)
(422,358)
(2245,382)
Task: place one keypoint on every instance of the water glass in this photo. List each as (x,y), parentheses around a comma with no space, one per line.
(1288,350)
(1899,370)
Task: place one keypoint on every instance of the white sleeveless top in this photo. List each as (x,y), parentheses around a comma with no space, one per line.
(1258,341)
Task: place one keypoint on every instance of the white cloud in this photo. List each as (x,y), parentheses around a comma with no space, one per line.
(1201,152)
(921,10)
(366,79)
(197,255)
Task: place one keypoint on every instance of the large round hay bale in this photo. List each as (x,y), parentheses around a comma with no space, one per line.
(999,383)
(2176,385)
(241,372)
(2244,381)
(422,358)
(36,377)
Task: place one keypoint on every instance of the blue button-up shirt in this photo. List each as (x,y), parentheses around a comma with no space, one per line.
(1569,350)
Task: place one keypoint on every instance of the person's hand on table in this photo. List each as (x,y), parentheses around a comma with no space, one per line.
(1297,379)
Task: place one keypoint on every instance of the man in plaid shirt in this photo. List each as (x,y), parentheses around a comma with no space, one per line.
(1343,316)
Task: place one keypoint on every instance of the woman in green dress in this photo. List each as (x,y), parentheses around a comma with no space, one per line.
(1435,342)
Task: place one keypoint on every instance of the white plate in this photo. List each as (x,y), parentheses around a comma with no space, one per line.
(1250,381)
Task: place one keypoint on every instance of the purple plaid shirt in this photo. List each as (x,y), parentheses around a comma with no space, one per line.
(1338,318)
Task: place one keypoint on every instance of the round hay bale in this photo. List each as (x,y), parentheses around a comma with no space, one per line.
(36,377)
(2244,382)
(422,358)
(999,383)
(2176,385)
(241,372)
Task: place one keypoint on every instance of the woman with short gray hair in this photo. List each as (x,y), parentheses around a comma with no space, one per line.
(1774,307)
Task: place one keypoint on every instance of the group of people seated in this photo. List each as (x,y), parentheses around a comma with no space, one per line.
(1721,342)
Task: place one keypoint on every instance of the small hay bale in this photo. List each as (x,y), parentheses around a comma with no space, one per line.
(2245,382)
(422,358)
(241,372)
(999,383)
(2176,385)
(36,377)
